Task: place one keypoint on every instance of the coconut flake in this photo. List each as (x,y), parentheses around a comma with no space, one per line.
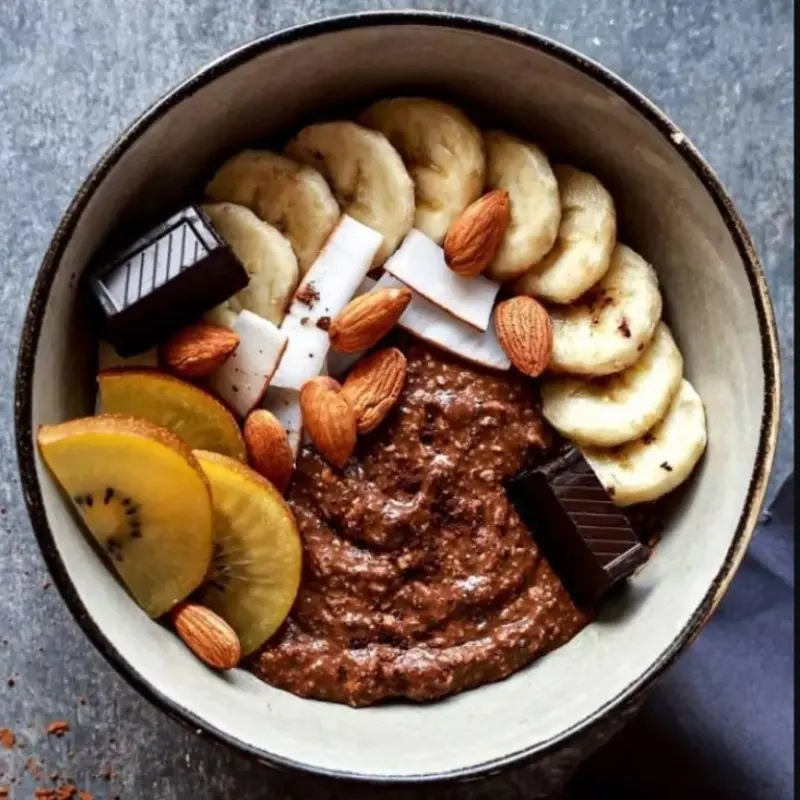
(242,380)
(430,323)
(420,264)
(285,405)
(327,287)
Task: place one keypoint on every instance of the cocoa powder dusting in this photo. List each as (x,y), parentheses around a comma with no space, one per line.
(61,793)
(420,580)
(57,728)
(307,295)
(64,788)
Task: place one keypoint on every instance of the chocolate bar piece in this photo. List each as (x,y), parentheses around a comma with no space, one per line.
(165,280)
(588,541)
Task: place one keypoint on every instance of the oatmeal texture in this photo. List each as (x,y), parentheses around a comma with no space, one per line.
(419,578)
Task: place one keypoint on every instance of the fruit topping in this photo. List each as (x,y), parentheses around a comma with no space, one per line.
(661,460)
(191,413)
(610,411)
(420,264)
(523,170)
(293,197)
(244,377)
(366,174)
(255,572)
(267,256)
(164,281)
(586,239)
(144,498)
(442,150)
(611,325)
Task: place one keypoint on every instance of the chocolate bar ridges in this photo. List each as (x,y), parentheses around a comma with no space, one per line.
(168,278)
(588,540)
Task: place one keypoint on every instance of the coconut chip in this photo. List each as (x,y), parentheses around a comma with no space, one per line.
(420,264)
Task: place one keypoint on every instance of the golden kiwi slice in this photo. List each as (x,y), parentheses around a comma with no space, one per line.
(255,573)
(143,496)
(195,415)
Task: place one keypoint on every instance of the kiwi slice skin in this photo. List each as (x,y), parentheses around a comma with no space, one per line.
(192,413)
(143,496)
(256,567)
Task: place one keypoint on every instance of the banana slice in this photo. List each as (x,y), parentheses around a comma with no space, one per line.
(612,324)
(523,170)
(293,197)
(610,411)
(586,238)
(662,459)
(441,149)
(367,176)
(266,255)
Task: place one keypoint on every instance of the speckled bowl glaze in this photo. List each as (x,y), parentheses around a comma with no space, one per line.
(672,209)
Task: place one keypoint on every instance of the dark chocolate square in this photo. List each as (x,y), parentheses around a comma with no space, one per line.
(587,539)
(165,280)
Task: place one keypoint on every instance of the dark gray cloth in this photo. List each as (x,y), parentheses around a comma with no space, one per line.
(721,724)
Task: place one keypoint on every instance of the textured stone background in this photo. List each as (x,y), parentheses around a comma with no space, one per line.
(73,73)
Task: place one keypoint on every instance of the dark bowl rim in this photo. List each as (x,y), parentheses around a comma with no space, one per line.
(35,313)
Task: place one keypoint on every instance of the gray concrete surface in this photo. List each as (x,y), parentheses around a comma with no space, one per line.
(74,72)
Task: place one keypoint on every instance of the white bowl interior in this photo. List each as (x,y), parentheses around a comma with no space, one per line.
(665,213)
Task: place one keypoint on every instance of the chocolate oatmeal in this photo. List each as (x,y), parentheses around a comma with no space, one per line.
(420,579)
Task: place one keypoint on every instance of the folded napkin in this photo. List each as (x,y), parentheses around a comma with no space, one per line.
(721,722)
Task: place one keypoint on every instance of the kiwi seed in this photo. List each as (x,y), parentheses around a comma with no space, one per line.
(120,512)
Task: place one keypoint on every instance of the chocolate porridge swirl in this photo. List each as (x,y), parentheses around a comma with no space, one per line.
(419,578)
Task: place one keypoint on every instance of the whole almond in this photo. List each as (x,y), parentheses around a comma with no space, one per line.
(525,333)
(373,386)
(268,448)
(198,350)
(365,320)
(328,419)
(207,635)
(475,237)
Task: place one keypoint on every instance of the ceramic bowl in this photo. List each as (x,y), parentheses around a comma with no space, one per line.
(672,209)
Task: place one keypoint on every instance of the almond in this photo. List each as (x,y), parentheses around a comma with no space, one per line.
(373,386)
(525,333)
(365,320)
(475,237)
(207,635)
(328,419)
(268,448)
(199,350)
